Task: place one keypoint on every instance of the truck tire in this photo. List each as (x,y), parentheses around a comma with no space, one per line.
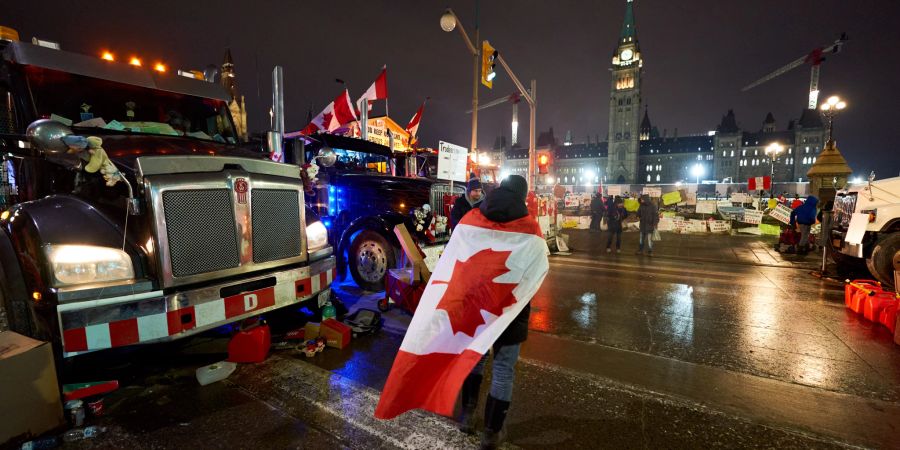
(885,259)
(369,258)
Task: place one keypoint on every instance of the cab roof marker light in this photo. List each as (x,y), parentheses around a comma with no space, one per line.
(45,44)
(186,74)
(107,56)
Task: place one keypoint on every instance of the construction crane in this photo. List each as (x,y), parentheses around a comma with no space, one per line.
(814,59)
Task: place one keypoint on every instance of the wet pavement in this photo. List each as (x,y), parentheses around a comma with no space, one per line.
(709,348)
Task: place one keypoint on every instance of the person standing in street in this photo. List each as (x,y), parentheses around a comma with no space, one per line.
(466,203)
(502,205)
(648,214)
(615,215)
(596,212)
(804,217)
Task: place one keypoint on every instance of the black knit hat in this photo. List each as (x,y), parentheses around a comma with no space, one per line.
(473,184)
(517,184)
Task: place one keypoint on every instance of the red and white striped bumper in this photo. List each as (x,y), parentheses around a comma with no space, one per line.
(152,317)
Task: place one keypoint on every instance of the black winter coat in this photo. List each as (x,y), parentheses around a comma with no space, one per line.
(504,205)
(460,207)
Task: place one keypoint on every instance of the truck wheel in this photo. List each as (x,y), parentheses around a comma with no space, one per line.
(885,259)
(370,257)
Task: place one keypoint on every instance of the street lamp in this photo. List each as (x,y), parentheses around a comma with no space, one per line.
(449,22)
(830,108)
(697,171)
(773,151)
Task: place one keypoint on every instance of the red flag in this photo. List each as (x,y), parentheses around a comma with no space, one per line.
(344,112)
(413,126)
(759,183)
(487,274)
(378,89)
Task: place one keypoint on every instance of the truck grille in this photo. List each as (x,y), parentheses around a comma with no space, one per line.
(276,224)
(843,209)
(201,231)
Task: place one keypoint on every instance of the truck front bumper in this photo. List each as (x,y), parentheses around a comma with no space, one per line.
(149,317)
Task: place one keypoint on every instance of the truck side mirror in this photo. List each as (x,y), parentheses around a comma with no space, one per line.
(326,157)
(47,136)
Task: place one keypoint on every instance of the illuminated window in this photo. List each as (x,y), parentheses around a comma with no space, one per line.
(732,153)
(648,177)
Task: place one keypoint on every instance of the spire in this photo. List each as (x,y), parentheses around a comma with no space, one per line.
(769,123)
(629,32)
(646,126)
(228,60)
(728,123)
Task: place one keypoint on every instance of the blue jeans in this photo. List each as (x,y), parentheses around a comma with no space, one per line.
(648,238)
(503,371)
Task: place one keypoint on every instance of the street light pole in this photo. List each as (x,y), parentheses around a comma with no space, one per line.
(449,21)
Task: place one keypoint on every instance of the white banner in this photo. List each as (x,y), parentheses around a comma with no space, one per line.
(740,197)
(452,160)
(614,189)
(724,204)
(719,226)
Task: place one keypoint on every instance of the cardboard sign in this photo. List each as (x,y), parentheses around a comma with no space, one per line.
(752,216)
(707,206)
(740,197)
(614,189)
(671,198)
(652,191)
(691,198)
(666,224)
(769,230)
(857,229)
(631,205)
(719,226)
(781,213)
(724,204)
(452,160)
(697,226)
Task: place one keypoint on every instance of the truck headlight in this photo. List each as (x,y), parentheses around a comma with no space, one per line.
(83,264)
(316,236)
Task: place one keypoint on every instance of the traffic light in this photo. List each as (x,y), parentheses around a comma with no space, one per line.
(488,55)
(543,160)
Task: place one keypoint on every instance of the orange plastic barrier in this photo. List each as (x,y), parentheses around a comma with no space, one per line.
(874,304)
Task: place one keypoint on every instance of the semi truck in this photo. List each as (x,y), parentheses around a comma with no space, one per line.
(866,226)
(182,230)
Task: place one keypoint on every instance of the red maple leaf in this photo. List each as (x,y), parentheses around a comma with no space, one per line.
(326,120)
(471,288)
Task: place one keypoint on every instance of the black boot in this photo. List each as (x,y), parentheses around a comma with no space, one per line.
(470,390)
(494,416)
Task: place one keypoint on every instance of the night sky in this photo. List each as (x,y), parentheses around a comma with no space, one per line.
(697,55)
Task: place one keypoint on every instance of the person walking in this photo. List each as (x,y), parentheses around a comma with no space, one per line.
(465,203)
(615,215)
(648,214)
(504,204)
(804,217)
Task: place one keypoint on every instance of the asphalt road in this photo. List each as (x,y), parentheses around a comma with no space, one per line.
(674,351)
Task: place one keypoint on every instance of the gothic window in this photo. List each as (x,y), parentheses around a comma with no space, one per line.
(621,102)
(627,135)
(657,177)
(618,136)
(732,153)
(648,177)
(621,154)
(628,101)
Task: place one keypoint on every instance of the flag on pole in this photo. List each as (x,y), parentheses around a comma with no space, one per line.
(338,112)
(413,127)
(759,183)
(486,276)
(377,91)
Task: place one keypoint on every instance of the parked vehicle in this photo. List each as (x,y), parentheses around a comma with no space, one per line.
(877,203)
(181,232)
(365,194)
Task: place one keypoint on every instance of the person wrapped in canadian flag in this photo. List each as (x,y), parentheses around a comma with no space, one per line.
(476,300)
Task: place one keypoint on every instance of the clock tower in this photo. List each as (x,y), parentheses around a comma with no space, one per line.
(625,104)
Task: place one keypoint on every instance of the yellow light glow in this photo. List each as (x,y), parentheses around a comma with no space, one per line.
(159,67)
(833,100)
(4,215)
(543,159)
(826,107)
(108,56)
(135,61)
(36,296)
(841,105)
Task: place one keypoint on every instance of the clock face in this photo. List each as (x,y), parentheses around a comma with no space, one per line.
(626,54)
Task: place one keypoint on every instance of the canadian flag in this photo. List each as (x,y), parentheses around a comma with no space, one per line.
(377,91)
(413,126)
(338,112)
(759,183)
(487,274)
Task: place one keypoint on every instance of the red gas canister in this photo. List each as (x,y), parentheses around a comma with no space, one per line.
(874,304)
(888,317)
(250,345)
(853,286)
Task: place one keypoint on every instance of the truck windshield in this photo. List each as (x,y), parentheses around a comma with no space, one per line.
(351,161)
(92,102)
